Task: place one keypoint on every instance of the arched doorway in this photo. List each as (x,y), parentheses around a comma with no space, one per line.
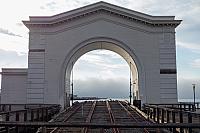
(101,73)
(107,44)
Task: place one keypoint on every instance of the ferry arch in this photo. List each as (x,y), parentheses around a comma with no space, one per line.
(146,42)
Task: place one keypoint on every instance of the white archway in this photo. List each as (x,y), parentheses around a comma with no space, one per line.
(107,44)
(147,41)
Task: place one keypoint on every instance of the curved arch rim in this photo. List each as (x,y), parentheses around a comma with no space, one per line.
(126,48)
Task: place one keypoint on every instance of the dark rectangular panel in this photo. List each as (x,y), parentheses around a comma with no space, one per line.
(168,71)
(36,50)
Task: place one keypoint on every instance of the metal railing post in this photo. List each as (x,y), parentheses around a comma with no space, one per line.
(17,116)
(174,120)
(25,115)
(9,107)
(158,115)
(163,116)
(181,120)
(46,114)
(190,121)
(7,116)
(168,119)
(154,113)
(44,129)
(42,115)
(38,114)
(32,115)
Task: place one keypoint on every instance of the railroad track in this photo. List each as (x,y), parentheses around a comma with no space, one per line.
(100,112)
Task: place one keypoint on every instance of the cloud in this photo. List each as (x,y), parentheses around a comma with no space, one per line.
(5,31)
(20,24)
(190,46)
(103,64)
(13,43)
(10,59)
(110,88)
(101,71)
(63,5)
(51,5)
(108,53)
(196,63)
(105,59)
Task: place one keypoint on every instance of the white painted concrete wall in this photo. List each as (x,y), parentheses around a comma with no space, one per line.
(61,40)
(168,82)
(35,88)
(13,86)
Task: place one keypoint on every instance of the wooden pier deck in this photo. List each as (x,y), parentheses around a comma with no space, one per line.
(102,117)
(101,112)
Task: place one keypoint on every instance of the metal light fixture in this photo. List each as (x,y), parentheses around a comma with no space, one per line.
(194,92)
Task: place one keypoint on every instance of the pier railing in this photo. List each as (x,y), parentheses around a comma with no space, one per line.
(23,113)
(15,107)
(29,112)
(185,106)
(175,120)
(191,127)
(176,114)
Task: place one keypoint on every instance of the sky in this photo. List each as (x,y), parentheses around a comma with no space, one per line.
(110,74)
(14,41)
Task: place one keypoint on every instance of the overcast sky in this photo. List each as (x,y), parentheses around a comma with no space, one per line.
(14,42)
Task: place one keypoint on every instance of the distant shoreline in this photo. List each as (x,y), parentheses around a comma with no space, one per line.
(98,98)
(88,98)
(188,100)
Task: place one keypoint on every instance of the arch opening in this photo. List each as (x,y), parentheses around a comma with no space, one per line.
(102,73)
(134,66)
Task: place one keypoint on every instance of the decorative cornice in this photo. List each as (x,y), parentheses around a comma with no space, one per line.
(101,8)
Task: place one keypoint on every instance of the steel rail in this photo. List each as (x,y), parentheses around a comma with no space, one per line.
(129,113)
(93,125)
(112,118)
(67,117)
(89,118)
